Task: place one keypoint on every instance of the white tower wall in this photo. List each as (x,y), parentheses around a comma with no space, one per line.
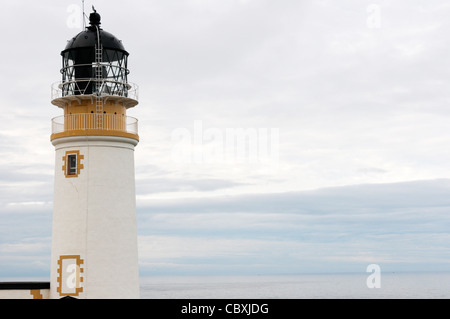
(94,249)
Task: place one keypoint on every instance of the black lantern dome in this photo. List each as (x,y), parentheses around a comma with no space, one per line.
(88,39)
(94,63)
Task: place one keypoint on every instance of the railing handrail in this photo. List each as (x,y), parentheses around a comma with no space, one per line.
(106,80)
(88,121)
(132,89)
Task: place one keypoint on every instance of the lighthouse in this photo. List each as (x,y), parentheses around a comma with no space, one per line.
(94,232)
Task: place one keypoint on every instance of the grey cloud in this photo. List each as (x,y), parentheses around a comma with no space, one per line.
(364,213)
(165,185)
(323,201)
(400,225)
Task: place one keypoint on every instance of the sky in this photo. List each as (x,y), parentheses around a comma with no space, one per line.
(276,137)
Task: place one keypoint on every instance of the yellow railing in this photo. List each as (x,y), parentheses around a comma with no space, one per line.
(95,122)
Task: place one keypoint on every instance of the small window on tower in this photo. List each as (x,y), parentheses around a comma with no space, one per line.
(72,164)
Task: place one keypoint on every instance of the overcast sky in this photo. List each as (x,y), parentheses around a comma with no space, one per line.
(346,104)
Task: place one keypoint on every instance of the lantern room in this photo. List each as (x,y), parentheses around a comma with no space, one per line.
(91,56)
(94,91)
(94,62)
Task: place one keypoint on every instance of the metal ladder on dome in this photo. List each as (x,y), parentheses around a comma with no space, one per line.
(98,86)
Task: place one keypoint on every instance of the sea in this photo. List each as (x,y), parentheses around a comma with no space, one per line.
(402,285)
(305,286)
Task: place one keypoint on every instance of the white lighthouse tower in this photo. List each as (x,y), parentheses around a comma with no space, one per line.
(94,240)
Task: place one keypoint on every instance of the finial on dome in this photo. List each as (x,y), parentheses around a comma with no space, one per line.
(94,18)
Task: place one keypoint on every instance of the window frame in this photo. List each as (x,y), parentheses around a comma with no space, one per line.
(72,167)
(69,170)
